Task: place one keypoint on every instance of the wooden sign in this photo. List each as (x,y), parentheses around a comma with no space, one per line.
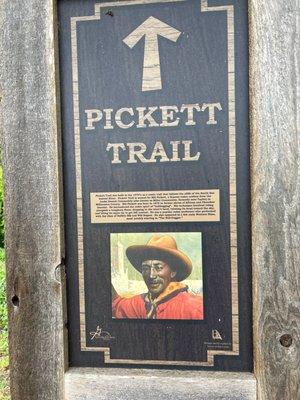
(156,173)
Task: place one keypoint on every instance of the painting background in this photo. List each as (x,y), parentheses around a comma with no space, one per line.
(127,281)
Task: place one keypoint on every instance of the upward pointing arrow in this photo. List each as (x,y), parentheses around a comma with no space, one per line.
(151,28)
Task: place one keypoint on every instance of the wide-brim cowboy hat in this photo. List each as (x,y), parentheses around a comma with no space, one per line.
(162,248)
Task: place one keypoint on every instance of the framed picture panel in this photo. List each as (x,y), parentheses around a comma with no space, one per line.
(156,177)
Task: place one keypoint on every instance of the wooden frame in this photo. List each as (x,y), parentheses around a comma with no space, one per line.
(33,210)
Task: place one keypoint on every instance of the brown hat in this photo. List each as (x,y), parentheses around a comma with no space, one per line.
(162,248)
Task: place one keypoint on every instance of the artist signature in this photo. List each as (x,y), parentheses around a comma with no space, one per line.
(99,333)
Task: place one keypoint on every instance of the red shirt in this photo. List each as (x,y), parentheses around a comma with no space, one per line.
(183,305)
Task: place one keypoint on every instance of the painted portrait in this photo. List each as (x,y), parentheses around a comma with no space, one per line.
(157,276)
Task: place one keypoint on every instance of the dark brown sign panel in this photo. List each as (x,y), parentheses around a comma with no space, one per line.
(156,173)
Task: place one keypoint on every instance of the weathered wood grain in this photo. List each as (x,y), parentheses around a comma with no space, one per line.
(32,199)
(135,384)
(274,49)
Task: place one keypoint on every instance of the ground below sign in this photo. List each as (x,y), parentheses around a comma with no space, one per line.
(156,177)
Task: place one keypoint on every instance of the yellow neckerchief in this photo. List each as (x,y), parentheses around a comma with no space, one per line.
(170,291)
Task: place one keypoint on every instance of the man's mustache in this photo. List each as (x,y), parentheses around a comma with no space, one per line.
(154,281)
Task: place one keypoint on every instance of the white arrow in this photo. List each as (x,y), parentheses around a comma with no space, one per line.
(151,28)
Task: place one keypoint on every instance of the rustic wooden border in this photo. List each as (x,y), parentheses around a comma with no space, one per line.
(33,202)
(34,245)
(149,384)
(274,51)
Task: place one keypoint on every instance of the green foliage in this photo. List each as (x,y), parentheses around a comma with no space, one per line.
(1,210)
(3,308)
(4,378)
(4,369)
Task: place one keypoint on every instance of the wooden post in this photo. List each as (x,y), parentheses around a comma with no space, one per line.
(275,197)
(34,244)
(32,198)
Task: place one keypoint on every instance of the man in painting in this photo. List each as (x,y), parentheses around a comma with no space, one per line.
(163,267)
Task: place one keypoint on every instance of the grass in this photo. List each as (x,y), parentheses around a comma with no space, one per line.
(4,373)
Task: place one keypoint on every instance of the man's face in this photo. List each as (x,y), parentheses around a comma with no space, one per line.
(157,276)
